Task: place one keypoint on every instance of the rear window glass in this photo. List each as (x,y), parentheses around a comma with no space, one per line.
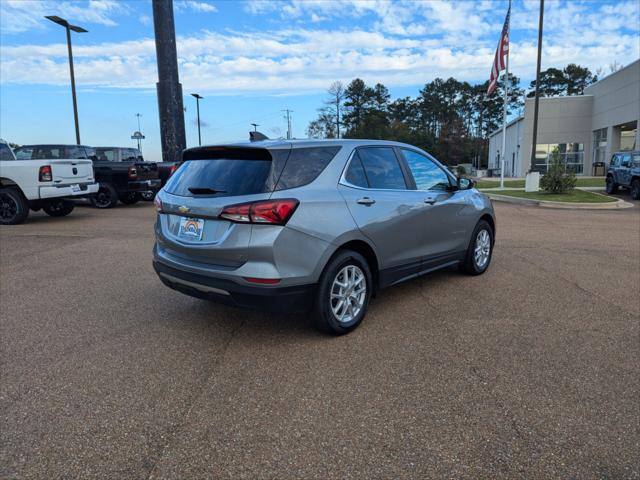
(228,177)
(106,154)
(382,168)
(51,152)
(23,153)
(304,165)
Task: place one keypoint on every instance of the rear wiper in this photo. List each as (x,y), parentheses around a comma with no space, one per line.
(205,191)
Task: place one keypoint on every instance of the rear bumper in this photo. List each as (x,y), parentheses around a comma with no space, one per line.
(292,299)
(144,185)
(56,191)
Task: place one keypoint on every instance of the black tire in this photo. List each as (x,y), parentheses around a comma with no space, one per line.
(129,198)
(470,265)
(324,318)
(105,197)
(635,189)
(14,208)
(611,186)
(148,196)
(59,208)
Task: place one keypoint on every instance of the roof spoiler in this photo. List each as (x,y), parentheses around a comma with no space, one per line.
(256,136)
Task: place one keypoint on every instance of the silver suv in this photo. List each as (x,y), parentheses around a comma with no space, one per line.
(315,225)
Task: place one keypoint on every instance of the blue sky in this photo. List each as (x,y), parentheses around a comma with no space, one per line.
(251,59)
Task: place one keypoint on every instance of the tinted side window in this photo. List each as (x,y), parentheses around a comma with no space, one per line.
(382,168)
(5,152)
(427,175)
(304,165)
(615,160)
(355,173)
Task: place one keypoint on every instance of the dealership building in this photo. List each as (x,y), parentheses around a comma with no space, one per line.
(586,129)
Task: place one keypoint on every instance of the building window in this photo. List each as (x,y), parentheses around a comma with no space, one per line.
(599,145)
(571,155)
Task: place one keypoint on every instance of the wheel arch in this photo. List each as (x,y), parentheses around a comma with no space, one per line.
(366,250)
(7,182)
(492,223)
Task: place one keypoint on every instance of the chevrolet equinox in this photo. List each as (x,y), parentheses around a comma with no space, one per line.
(315,225)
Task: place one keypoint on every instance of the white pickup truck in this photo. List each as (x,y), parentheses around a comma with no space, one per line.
(46,184)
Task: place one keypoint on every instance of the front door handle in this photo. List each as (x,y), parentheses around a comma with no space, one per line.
(430,201)
(366,201)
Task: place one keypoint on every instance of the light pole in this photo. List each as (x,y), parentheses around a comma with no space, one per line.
(198,97)
(69,27)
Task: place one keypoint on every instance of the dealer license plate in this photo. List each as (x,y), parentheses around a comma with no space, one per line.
(191,228)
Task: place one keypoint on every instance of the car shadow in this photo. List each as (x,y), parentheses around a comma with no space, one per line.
(299,326)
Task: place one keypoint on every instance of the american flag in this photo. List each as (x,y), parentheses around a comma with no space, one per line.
(502,52)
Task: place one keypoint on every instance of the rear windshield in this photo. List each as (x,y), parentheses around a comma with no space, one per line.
(225,177)
(236,171)
(50,152)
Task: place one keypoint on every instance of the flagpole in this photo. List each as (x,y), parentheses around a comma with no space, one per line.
(504,106)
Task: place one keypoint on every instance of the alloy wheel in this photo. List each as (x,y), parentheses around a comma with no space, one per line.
(348,293)
(482,248)
(102,198)
(8,207)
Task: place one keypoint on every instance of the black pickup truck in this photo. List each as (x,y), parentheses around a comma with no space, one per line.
(123,175)
(120,172)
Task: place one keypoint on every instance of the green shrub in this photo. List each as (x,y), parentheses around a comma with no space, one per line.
(557,179)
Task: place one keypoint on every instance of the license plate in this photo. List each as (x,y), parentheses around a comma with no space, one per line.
(191,228)
(75,188)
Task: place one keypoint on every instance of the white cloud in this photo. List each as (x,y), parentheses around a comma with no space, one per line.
(301,60)
(195,6)
(23,15)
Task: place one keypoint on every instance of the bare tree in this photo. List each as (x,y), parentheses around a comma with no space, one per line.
(615,66)
(335,103)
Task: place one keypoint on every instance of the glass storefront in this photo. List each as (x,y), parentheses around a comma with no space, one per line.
(599,145)
(571,154)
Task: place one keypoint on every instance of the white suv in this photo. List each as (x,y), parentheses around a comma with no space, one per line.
(46,183)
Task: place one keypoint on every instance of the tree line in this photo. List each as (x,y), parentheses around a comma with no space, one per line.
(450,119)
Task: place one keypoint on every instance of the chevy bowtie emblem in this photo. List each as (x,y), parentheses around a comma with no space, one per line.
(183,209)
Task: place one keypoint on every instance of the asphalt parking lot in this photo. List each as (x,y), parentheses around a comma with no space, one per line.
(530,371)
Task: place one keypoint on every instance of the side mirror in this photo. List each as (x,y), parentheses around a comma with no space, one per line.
(465,183)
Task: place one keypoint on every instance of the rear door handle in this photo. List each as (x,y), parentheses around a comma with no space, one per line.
(366,201)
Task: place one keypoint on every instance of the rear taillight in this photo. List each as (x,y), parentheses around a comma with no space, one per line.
(172,169)
(44,175)
(158,204)
(133,173)
(272,212)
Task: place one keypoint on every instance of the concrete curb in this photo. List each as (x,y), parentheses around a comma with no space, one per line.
(561,205)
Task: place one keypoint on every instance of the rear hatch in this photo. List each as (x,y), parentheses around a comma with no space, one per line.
(67,172)
(209,180)
(146,170)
